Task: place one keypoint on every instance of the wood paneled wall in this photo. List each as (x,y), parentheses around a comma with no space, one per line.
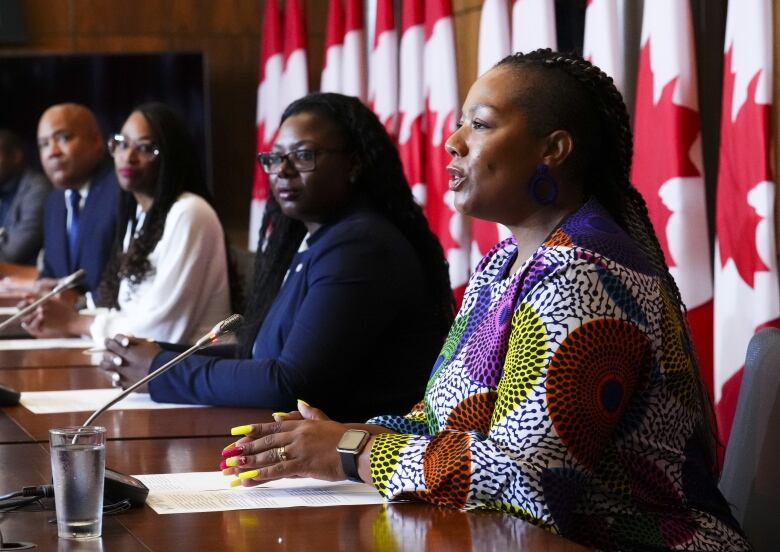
(228,32)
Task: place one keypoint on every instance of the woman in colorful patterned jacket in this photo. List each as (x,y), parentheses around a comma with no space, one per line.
(568,391)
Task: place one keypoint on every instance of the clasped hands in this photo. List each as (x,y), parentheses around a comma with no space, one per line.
(127,359)
(295,444)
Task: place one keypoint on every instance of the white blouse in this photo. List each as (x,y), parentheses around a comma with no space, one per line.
(186,292)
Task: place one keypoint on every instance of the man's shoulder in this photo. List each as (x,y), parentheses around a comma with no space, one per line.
(33,180)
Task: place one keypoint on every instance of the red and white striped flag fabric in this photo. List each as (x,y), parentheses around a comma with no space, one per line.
(269,110)
(295,79)
(353,68)
(603,44)
(494,44)
(533,25)
(667,165)
(330,80)
(746,277)
(411,97)
(383,74)
(441,94)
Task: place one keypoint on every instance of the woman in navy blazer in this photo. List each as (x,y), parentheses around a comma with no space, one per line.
(351,300)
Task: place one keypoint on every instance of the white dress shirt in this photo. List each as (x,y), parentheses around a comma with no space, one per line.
(187,290)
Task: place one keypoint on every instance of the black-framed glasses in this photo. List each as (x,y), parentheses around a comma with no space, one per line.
(146,150)
(303,160)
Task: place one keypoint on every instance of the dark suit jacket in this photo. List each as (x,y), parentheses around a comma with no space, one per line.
(97,226)
(24,223)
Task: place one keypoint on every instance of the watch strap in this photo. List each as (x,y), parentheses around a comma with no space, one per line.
(349,465)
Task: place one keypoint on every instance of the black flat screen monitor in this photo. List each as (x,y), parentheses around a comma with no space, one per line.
(110,84)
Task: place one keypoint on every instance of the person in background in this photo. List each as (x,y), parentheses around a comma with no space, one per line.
(80,215)
(23,192)
(568,392)
(167,278)
(351,297)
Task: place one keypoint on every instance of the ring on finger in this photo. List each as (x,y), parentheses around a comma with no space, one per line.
(281,454)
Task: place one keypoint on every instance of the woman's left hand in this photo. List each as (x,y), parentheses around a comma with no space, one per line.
(288,448)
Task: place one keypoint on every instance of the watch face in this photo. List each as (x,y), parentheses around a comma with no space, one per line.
(352,440)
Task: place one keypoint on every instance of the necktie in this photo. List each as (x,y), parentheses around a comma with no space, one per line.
(73,232)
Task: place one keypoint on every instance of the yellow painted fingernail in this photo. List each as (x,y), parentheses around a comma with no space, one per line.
(227,471)
(241,430)
(279,414)
(232,461)
(235,483)
(248,474)
(304,402)
(231,445)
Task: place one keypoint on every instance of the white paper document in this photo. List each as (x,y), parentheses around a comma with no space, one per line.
(54,343)
(177,493)
(8,311)
(89,400)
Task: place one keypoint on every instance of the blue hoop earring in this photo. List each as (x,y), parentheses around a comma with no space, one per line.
(543,186)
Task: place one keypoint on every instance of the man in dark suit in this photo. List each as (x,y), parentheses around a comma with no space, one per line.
(80,215)
(23,193)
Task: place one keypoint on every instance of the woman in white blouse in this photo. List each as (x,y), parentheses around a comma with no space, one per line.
(168,276)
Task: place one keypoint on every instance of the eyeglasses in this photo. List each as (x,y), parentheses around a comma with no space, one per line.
(121,144)
(303,160)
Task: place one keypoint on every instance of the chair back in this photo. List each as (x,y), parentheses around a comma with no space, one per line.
(750,480)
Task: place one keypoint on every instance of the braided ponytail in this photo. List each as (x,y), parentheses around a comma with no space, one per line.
(582,99)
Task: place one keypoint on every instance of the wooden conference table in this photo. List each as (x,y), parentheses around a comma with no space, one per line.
(185,440)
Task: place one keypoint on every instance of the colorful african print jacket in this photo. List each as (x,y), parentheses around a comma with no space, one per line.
(565,395)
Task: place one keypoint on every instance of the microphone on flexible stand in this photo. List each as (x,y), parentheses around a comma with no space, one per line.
(119,486)
(65,283)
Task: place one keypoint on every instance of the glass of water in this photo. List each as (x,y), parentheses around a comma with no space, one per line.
(78,463)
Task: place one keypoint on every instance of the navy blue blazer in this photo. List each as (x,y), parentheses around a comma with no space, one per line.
(351,331)
(97,228)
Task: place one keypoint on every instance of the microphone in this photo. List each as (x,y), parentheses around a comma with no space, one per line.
(119,486)
(229,324)
(65,283)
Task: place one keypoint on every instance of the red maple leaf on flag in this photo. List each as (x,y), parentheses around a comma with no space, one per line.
(664,133)
(744,162)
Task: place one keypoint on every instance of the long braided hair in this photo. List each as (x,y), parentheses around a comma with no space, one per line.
(178,172)
(381,182)
(582,99)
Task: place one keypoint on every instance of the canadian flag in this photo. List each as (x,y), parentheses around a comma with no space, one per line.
(746,281)
(269,110)
(295,79)
(383,74)
(494,44)
(353,69)
(411,98)
(330,80)
(603,43)
(533,25)
(667,167)
(441,95)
